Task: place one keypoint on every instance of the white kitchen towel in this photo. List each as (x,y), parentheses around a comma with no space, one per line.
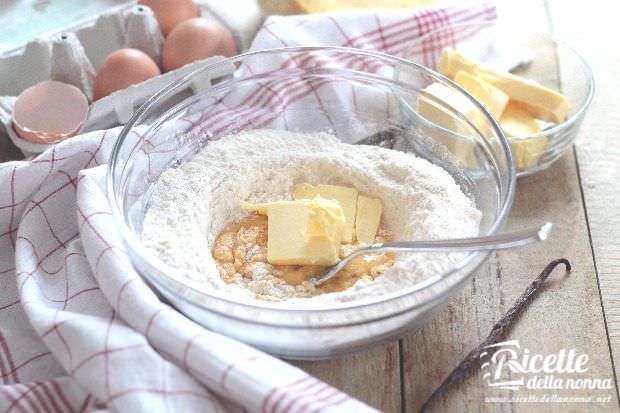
(80,331)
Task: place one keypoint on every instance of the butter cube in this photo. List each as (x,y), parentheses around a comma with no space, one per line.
(527,152)
(442,116)
(367,219)
(452,62)
(493,99)
(346,197)
(302,232)
(516,122)
(462,148)
(542,102)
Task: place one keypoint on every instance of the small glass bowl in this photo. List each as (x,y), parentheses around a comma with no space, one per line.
(360,101)
(533,56)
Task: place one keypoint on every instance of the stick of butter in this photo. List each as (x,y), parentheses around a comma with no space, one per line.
(543,102)
(302,232)
(461,147)
(493,99)
(367,219)
(346,197)
(517,122)
(444,117)
(451,62)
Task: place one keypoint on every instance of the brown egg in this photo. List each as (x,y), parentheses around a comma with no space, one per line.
(121,69)
(196,39)
(170,13)
(49,112)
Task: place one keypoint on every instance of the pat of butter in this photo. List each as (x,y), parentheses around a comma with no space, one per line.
(544,103)
(517,122)
(452,62)
(346,197)
(302,232)
(462,147)
(444,117)
(367,219)
(493,99)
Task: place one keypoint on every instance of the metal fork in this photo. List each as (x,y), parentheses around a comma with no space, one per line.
(493,242)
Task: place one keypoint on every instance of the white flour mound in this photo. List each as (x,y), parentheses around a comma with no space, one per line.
(191,205)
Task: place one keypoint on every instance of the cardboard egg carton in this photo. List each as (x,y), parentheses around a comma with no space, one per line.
(73,54)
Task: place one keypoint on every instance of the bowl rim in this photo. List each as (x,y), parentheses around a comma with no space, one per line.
(135,245)
(566,124)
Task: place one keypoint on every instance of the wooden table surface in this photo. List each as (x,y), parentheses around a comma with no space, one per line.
(579,311)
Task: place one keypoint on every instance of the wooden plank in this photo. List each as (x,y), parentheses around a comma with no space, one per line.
(567,315)
(588,29)
(372,376)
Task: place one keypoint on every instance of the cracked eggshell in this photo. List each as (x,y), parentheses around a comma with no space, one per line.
(49,112)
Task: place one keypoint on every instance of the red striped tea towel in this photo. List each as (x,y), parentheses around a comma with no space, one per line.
(80,331)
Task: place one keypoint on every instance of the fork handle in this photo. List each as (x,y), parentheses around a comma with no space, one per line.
(484,243)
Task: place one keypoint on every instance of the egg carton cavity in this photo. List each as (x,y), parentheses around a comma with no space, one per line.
(74,54)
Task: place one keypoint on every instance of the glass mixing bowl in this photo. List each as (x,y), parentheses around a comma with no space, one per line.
(359,96)
(537,56)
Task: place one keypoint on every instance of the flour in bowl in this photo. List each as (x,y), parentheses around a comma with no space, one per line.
(194,202)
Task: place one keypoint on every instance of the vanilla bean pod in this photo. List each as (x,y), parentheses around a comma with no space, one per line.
(498,330)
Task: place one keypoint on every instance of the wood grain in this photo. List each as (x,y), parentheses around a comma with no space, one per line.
(567,314)
(589,29)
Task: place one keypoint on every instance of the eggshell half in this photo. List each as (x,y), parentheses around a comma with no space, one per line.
(49,112)
(196,39)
